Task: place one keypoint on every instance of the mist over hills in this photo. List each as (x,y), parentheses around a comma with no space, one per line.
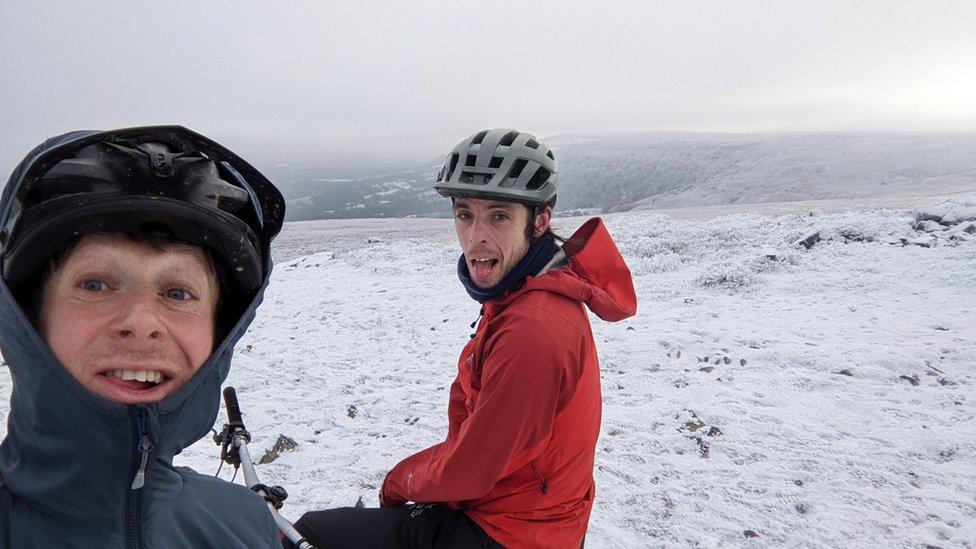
(610,172)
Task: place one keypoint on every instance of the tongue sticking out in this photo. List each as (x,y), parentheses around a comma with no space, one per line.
(480,270)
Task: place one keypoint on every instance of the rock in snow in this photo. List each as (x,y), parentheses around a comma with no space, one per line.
(809,240)
(928,226)
(283,444)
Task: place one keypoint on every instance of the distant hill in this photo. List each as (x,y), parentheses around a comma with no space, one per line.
(622,171)
(332,190)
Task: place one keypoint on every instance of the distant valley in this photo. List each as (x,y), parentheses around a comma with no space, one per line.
(612,172)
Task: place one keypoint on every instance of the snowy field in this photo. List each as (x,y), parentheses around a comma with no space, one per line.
(765,395)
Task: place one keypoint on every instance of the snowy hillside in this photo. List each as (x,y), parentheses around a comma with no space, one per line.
(622,171)
(766,395)
(653,170)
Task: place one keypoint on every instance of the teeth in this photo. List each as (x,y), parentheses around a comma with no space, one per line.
(151,376)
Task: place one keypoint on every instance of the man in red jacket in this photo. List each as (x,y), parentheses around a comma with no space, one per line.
(516,468)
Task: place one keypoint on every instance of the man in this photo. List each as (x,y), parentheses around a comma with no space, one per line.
(132,262)
(516,468)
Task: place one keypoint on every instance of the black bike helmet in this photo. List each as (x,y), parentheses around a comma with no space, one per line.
(133,178)
(502,164)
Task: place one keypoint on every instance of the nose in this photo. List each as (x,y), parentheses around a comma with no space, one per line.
(478,231)
(139,320)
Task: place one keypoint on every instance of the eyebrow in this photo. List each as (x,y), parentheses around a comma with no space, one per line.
(184,265)
(492,206)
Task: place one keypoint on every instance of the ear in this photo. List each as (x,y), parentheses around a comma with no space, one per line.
(542,221)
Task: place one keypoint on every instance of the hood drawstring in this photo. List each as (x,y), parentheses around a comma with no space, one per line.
(481,315)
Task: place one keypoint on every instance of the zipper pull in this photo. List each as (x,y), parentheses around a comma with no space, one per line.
(144,448)
(140,479)
(481,313)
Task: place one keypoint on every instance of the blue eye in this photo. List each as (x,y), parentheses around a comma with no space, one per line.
(177,294)
(93,285)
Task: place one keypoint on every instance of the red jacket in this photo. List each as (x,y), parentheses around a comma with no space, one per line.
(525,408)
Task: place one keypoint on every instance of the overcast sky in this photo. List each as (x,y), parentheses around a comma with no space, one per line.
(290,80)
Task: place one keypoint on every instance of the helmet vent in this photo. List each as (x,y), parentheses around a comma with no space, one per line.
(479,138)
(532,144)
(551,157)
(470,160)
(454,161)
(517,168)
(474,178)
(508,139)
(496,162)
(539,179)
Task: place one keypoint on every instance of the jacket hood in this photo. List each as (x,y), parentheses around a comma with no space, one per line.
(596,275)
(70,452)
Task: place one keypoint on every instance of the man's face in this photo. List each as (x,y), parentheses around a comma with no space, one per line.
(493,236)
(131,323)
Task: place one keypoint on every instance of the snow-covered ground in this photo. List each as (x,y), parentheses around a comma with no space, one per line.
(765,395)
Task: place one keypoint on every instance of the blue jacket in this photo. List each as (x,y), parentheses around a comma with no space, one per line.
(69,459)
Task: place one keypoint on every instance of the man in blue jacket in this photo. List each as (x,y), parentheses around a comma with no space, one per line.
(132,262)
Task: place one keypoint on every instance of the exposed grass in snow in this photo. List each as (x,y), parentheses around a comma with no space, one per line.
(817,398)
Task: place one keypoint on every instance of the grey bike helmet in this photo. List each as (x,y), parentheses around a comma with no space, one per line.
(503,164)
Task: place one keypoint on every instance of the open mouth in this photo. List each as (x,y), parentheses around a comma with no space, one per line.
(481,268)
(135,380)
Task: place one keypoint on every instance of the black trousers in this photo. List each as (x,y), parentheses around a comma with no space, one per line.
(417,526)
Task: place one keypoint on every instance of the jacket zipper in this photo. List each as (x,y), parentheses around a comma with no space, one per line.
(543,485)
(133,497)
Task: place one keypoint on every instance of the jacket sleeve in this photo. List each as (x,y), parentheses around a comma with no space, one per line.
(530,370)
